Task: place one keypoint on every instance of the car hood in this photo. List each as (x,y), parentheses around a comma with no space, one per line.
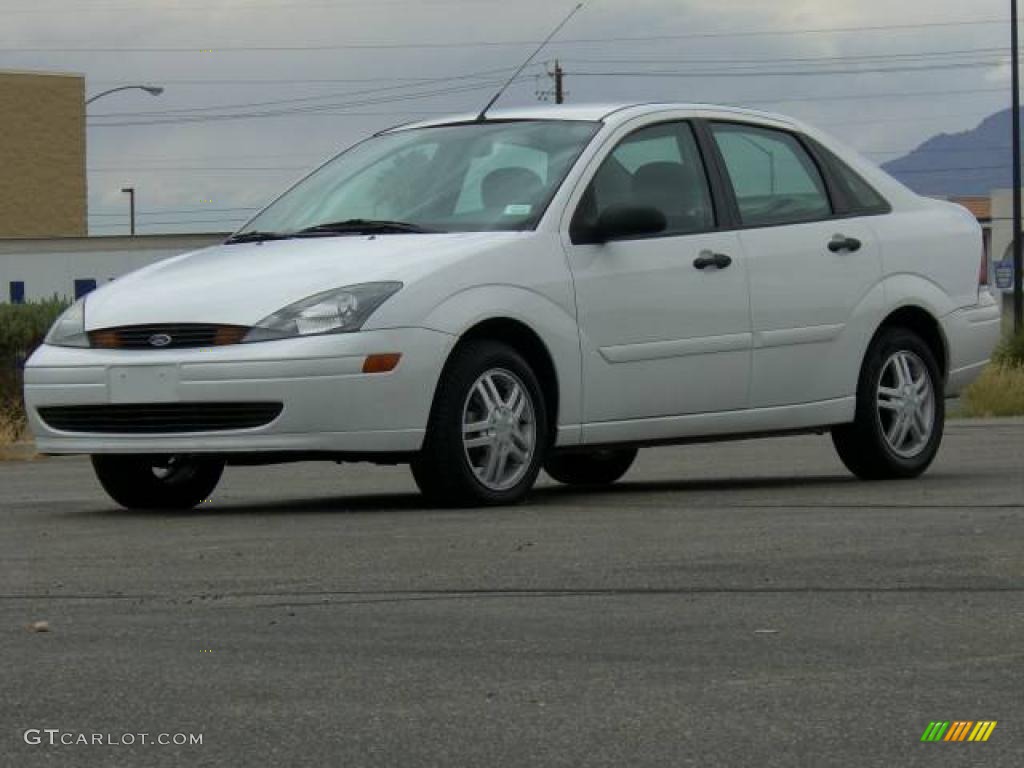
(244,283)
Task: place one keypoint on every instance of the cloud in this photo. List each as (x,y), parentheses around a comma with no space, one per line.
(850,105)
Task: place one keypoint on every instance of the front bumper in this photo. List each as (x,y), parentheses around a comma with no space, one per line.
(329,403)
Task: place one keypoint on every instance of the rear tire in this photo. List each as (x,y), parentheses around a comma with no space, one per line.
(900,413)
(591,468)
(488,431)
(158,483)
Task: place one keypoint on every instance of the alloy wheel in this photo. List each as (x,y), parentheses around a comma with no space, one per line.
(906,404)
(499,430)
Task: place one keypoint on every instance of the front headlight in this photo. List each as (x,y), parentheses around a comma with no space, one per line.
(342,310)
(69,330)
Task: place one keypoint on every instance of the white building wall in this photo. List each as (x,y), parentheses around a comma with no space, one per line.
(1002,245)
(50,266)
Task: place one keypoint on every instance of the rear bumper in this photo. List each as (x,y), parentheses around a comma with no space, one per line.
(972,334)
(329,404)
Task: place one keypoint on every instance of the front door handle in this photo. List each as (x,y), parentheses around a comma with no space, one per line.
(708,259)
(842,243)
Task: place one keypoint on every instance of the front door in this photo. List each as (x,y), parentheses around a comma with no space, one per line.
(664,321)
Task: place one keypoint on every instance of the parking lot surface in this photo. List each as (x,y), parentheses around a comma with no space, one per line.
(736,604)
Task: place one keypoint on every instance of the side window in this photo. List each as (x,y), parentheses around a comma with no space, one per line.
(773,176)
(658,167)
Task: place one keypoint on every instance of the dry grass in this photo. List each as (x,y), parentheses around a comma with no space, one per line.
(999,391)
(13,427)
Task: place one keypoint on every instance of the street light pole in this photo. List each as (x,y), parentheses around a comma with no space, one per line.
(1018,247)
(130,191)
(152,90)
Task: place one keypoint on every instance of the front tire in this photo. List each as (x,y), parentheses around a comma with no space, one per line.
(591,468)
(158,483)
(488,432)
(900,413)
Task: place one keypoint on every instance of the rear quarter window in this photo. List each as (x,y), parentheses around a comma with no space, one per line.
(861,197)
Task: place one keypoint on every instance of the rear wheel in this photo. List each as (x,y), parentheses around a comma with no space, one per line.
(599,467)
(488,430)
(900,410)
(158,482)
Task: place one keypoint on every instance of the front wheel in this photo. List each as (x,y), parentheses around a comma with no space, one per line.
(158,482)
(488,431)
(598,467)
(900,410)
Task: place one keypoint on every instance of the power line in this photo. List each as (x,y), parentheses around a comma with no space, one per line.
(338,109)
(937,151)
(733,61)
(963,169)
(230,223)
(304,99)
(173,212)
(797,59)
(502,43)
(247,6)
(699,73)
(200,168)
(869,96)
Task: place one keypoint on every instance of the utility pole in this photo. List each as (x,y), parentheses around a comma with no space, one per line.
(1018,247)
(558,75)
(130,191)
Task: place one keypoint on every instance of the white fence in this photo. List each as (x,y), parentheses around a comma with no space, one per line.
(33,269)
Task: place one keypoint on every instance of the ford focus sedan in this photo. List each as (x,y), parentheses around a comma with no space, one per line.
(551,288)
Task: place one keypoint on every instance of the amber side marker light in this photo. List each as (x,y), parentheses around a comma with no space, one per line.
(381,363)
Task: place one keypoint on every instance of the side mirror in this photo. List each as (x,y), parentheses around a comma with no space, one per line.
(622,222)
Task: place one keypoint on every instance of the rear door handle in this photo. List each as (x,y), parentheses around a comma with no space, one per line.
(842,243)
(707,259)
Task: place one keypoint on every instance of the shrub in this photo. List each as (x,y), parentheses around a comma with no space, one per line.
(13,424)
(1011,351)
(22,328)
(999,391)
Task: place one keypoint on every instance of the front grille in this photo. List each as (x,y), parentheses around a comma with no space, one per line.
(180,335)
(159,418)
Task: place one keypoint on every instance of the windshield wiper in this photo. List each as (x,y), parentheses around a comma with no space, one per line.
(255,237)
(348,227)
(364,226)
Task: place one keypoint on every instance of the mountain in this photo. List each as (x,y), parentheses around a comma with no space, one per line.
(959,164)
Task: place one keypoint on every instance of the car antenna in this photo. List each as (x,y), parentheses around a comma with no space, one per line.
(482,117)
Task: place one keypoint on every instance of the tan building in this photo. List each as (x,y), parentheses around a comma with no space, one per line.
(42,155)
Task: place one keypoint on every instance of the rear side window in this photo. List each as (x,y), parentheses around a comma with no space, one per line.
(774,178)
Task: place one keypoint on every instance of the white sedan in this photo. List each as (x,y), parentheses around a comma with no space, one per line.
(545,288)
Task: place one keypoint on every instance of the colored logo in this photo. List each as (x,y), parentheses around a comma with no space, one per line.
(959,730)
(159,340)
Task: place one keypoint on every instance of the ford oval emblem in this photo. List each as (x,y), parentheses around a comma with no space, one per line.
(159,340)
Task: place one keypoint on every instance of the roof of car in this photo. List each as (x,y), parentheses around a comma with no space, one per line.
(594,112)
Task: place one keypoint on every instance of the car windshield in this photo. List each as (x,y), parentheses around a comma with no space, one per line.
(470,177)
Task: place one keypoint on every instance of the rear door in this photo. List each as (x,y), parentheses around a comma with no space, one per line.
(812,267)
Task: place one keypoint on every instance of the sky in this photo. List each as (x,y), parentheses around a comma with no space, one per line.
(259,92)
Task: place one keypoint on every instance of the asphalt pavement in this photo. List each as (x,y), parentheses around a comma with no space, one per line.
(736,604)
